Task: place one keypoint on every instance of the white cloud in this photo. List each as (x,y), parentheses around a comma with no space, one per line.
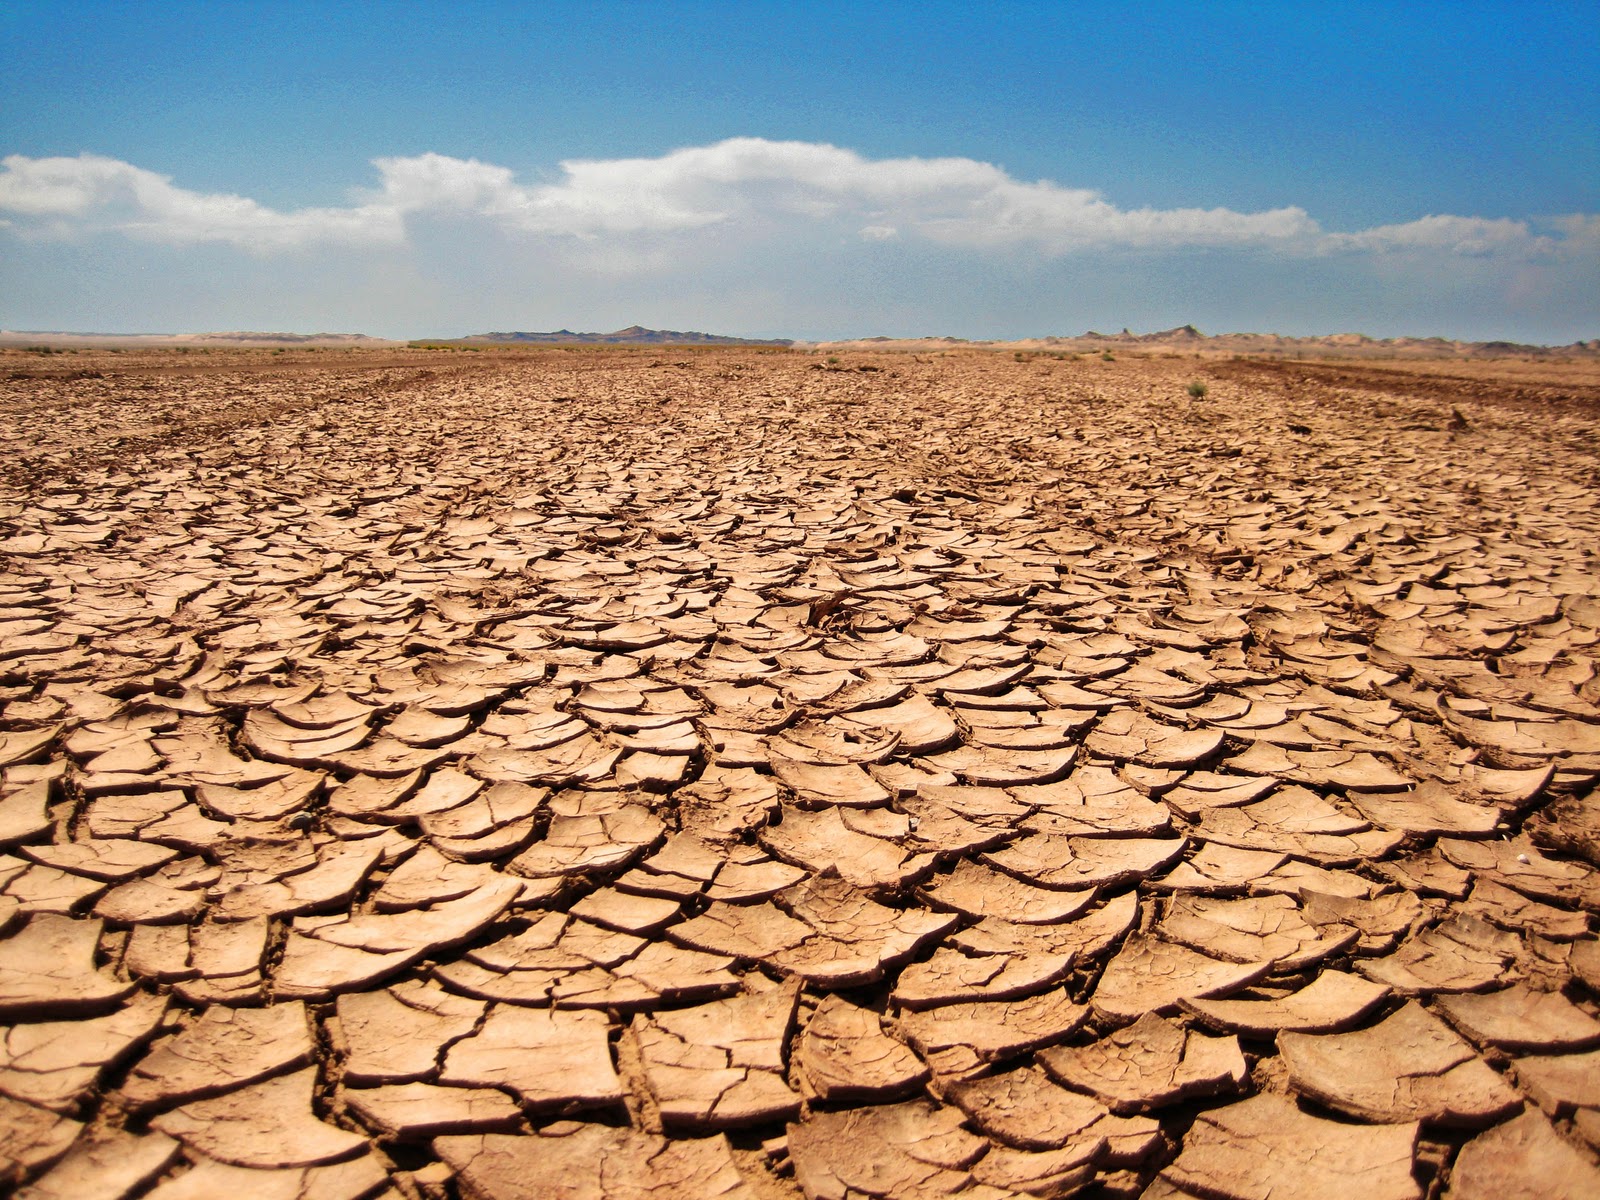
(1473,236)
(631,209)
(92,193)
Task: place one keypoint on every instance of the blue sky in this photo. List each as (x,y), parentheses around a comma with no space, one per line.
(808,170)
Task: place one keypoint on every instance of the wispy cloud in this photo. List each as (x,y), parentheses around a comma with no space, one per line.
(776,189)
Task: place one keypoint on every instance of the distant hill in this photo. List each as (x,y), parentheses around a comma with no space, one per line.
(235,340)
(1186,339)
(633,335)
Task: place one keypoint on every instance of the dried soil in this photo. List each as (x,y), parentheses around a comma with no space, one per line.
(739,773)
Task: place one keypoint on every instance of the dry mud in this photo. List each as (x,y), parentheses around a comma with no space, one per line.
(577,774)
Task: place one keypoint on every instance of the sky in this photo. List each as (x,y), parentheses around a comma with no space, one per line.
(804,170)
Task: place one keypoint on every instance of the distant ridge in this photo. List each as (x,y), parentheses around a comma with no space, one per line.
(633,335)
(233,340)
(1186,339)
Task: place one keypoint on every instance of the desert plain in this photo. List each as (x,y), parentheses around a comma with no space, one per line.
(728,774)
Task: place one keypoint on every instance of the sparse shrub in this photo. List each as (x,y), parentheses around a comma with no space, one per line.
(1108,357)
(1197,390)
(833,360)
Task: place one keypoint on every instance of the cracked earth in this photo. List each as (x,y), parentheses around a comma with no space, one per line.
(743,775)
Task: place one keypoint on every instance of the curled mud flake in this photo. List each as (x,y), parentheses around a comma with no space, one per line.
(1298,822)
(626,912)
(20,746)
(116,1165)
(270,801)
(1252,929)
(225,961)
(111,860)
(1026,1109)
(1069,863)
(1150,1064)
(577,845)
(1381,921)
(1514,911)
(841,783)
(978,891)
(223,1049)
(1409,1066)
(819,840)
(446,789)
(986,962)
(1220,869)
(416,1111)
(339,870)
(1202,790)
(1126,735)
(719,1065)
(54,1063)
(915,1149)
(1525,1156)
(398,1034)
(1520,1018)
(144,901)
(1570,826)
(826,743)
(754,932)
(844,1056)
(1150,976)
(1519,865)
(921,726)
(31,1137)
(1094,801)
(556,1061)
(493,808)
(1332,1001)
(1430,809)
(1265,1146)
(854,938)
(1463,954)
(1561,1083)
(1585,963)
(324,958)
(602,1161)
(960,1038)
(268,1124)
(47,970)
(1060,1172)
(25,813)
(34,888)
(727,802)
(991,766)
(428,877)
(351,1179)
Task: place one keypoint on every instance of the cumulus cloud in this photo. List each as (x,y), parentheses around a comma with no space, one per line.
(778,189)
(91,193)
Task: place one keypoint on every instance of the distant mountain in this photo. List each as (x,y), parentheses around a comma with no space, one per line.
(633,335)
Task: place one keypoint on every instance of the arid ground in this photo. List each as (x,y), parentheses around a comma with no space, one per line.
(744,774)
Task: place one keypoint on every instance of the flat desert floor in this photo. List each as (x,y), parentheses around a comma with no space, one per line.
(703,775)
